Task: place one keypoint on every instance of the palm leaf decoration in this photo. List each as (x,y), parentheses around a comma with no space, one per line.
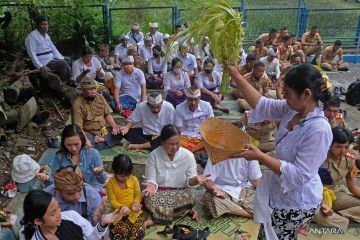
(222,24)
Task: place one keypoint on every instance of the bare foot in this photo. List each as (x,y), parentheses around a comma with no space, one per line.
(148,222)
(195,215)
(133,147)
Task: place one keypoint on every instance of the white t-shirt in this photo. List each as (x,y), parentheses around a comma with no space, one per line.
(188,63)
(153,66)
(130,84)
(146,52)
(151,123)
(203,81)
(120,51)
(271,67)
(233,174)
(79,66)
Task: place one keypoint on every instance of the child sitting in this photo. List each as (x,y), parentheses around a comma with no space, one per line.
(27,175)
(123,191)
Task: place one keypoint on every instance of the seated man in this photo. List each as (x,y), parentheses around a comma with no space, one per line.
(272,64)
(155,35)
(244,69)
(87,67)
(279,39)
(259,80)
(268,38)
(297,47)
(285,51)
(130,86)
(73,194)
(92,113)
(262,132)
(332,112)
(43,53)
(120,50)
(145,51)
(106,64)
(329,61)
(340,166)
(151,116)
(139,62)
(259,50)
(202,50)
(136,37)
(188,117)
(312,43)
(229,190)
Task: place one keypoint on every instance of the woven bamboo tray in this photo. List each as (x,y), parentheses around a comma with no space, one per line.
(221,139)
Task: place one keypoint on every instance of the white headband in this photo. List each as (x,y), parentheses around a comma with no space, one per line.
(271,52)
(153,101)
(192,93)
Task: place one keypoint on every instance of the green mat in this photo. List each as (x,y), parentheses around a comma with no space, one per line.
(137,157)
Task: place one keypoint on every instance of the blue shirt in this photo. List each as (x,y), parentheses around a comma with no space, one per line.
(89,159)
(92,201)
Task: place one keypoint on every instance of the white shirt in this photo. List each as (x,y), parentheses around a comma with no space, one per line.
(146,52)
(170,82)
(120,51)
(157,38)
(163,172)
(271,67)
(36,43)
(202,52)
(130,84)
(203,81)
(151,123)
(188,63)
(233,174)
(188,121)
(157,67)
(300,151)
(79,66)
(139,38)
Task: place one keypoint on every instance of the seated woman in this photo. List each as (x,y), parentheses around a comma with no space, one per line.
(175,83)
(86,160)
(44,220)
(170,172)
(87,67)
(157,67)
(229,190)
(209,82)
(340,165)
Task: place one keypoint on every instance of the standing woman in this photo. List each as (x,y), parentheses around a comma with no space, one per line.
(85,160)
(302,142)
(209,82)
(175,83)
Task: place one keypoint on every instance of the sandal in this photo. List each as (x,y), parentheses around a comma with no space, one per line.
(167,230)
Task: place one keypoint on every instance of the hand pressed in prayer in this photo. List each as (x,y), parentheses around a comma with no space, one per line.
(201,179)
(150,189)
(100,211)
(98,169)
(216,98)
(232,68)
(178,93)
(136,207)
(42,176)
(124,210)
(110,218)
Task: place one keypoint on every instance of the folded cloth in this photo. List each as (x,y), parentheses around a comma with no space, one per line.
(262,209)
(328,196)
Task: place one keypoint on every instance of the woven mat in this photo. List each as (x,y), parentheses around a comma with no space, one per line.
(137,157)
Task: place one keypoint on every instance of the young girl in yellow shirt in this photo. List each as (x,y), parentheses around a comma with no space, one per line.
(124,193)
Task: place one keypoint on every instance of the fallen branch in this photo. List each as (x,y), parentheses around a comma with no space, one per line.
(57,109)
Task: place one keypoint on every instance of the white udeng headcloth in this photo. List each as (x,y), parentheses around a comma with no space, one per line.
(192,92)
(153,101)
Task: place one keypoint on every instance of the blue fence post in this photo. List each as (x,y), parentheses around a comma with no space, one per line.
(243,10)
(297,26)
(106,21)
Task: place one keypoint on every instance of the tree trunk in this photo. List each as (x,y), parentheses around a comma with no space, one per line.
(28,111)
(50,85)
(3,117)
(22,89)
(12,119)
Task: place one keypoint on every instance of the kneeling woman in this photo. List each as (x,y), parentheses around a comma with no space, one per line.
(339,166)
(170,172)
(44,220)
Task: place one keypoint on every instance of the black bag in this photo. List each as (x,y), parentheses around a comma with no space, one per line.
(185,232)
(353,93)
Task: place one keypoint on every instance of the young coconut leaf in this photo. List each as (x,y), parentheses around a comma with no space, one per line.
(222,24)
